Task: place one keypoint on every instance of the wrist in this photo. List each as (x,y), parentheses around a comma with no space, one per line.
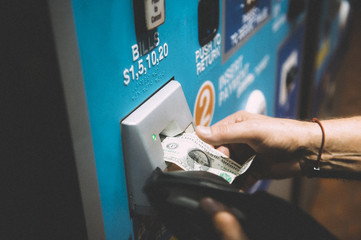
(312,150)
(338,157)
(340,165)
(312,139)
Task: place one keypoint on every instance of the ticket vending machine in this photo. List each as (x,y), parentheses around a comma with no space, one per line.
(99,68)
(216,57)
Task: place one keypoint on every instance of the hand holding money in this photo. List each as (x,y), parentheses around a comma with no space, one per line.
(192,154)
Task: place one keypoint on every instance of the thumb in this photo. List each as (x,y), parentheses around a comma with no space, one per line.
(228,227)
(225,223)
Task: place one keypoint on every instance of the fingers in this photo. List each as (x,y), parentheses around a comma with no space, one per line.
(211,206)
(220,134)
(240,116)
(228,226)
(225,150)
(235,128)
(224,222)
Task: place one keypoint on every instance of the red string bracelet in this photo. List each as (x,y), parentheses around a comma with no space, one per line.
(315,120)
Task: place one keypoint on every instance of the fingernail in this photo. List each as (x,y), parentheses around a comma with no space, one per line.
(211,206)
(202,130)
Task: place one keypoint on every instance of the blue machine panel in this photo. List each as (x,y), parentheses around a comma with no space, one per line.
(124,62)
(289,67)
(241,20)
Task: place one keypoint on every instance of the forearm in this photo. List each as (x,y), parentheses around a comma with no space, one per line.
(341,157)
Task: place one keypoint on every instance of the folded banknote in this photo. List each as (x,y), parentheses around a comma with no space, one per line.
(192,154)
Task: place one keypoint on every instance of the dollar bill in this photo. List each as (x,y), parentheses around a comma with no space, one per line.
(192,154)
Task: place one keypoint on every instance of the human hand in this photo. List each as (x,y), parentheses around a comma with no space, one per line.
(225,223)
(278,143)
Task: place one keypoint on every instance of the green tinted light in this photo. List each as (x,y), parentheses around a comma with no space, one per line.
(154,137)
